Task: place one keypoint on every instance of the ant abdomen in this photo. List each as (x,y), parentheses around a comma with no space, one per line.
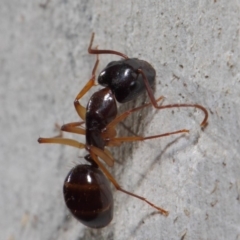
(88,196)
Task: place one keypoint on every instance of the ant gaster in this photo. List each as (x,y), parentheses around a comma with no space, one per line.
(86,188)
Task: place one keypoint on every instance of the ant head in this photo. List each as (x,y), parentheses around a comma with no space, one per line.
(124,80)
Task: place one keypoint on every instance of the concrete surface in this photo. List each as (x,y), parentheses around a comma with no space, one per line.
(194,47)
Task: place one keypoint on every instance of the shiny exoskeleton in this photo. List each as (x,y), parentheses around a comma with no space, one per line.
(88,196)
(123,78)
(100,111)
(86,190)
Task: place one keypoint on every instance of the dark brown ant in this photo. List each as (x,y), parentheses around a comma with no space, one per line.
(86,189)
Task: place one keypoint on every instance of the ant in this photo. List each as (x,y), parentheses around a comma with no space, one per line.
(86,189)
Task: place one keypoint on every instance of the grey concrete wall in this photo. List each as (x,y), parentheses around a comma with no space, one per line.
(194,47)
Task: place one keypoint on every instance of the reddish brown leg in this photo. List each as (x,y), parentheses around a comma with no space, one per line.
(128,128)
(69,127)
(74,128)
(105,155)
(58,128)
(116,141)
(63,141)
(117,186)
(96,51)
(127,113)
(154,102)
(79,108)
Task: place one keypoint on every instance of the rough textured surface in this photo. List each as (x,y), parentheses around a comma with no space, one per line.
(194,46)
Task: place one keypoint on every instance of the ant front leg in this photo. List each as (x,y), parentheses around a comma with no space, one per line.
(154,102)
(79,108)
(96,51)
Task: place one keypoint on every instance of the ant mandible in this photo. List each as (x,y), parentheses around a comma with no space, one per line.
(86,190)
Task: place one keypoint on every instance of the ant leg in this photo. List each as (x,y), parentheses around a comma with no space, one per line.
(117,186)
(105,155)
(69,127)
(58,128)
(127,113)
(79,108)
(74,128)
(154,102)
(128,128)
(109,133)
(63,141)
(119,140)
(96,51)
(111,126)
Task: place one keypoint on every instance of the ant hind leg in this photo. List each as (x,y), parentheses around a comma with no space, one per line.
(118,187)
